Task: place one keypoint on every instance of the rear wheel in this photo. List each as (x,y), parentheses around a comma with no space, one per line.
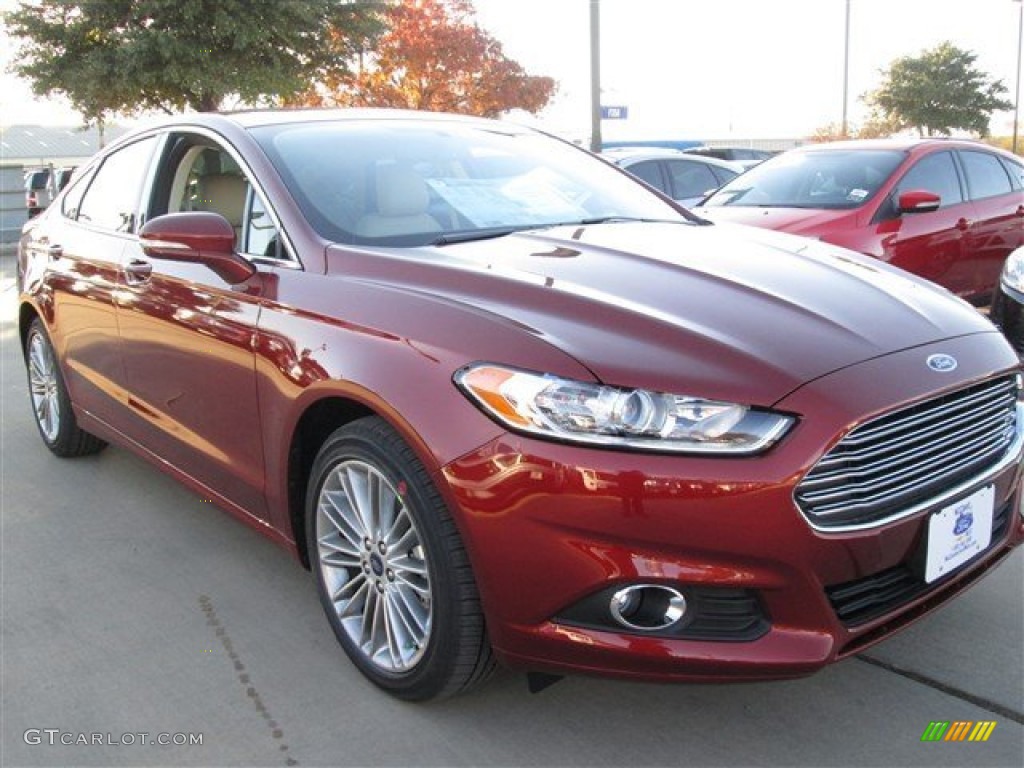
(390,566)
(51,405)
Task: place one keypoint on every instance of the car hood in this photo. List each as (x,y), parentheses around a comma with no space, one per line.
(714,311)
(796,221)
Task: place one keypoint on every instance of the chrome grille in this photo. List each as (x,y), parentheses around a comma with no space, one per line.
(908,456)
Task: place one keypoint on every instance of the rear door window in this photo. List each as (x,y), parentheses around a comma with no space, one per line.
(986,176)
(112,199)
(1016,171)
(73,199)
(690,179)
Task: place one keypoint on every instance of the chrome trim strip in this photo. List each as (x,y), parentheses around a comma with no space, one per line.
(883,494)
(1014,455)
(958,431)
(870,492)
(868,433)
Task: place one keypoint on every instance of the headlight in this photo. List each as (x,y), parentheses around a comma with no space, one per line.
(583,412)
(1013,270)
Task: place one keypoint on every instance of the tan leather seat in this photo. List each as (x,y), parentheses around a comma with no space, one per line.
(402,201)
(223,193)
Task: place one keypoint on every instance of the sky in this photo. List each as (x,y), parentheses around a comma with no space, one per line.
(705,69)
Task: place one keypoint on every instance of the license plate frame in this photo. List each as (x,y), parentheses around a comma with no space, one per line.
(958,533)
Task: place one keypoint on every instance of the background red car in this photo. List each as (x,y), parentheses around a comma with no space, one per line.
(950,211)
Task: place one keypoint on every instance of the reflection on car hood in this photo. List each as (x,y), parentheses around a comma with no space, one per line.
(717,311)
(796,221)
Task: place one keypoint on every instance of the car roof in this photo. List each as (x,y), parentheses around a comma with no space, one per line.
(706,148)
(619,155)
(263,117)
(900,144)
(231,122)
(632,152)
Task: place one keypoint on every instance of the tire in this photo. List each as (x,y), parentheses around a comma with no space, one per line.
(51,405)
(390,567)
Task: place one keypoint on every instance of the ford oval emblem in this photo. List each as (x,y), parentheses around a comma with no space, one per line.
(942,363)
(964,521)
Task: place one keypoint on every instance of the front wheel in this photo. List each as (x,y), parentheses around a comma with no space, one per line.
(390,567)
(51,404)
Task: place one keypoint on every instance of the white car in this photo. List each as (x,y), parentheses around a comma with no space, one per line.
(687,179)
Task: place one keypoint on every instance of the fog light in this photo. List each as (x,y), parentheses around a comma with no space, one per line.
(647,607)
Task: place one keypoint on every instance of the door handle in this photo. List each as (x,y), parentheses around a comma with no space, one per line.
(54,251)
(963,224)
(138,271)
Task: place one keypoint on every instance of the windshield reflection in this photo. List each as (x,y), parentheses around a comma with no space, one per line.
(824,179)
(411,183)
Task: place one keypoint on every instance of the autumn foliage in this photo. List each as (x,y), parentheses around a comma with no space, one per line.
(433,56)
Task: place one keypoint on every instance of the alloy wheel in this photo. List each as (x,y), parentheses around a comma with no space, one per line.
(374,566)
(44,387)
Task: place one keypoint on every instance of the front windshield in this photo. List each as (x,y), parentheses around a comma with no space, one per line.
(840,178)
(407,183)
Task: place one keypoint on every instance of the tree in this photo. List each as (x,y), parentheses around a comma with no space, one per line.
(127,55)
(938,92)
(434,56)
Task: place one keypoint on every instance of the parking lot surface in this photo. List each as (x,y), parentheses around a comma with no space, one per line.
(131,607)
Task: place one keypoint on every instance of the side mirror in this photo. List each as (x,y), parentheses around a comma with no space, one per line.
(918,201)
(196,238)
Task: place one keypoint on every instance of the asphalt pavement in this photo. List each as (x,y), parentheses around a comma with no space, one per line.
(133,612)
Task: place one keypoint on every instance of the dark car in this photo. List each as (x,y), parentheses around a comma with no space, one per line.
(950,211)
(62,176)
(746,157)
(1007,309)
(511,405)
(39,190)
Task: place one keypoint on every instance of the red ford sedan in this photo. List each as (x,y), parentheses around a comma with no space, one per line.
(510,405)
(950,211)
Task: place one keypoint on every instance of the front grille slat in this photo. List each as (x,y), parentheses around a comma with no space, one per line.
(895,499)
(954,406)
(881,461)
(922,466)
(944,430)
(910,455)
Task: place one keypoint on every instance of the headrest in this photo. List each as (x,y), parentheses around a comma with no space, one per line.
(223,193)
(401,192)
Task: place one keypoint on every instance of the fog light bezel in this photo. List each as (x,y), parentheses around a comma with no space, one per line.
(715,613)
(635,596)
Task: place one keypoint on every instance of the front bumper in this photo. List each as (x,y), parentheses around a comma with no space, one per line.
(548,525)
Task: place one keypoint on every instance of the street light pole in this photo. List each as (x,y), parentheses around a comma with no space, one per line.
(595,76)
(846,70)
(1016,93)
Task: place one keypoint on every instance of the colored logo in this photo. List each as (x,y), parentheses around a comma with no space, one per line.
(942,363)
(964,521)
(958,730)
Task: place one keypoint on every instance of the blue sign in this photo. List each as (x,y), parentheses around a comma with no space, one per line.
(614,113)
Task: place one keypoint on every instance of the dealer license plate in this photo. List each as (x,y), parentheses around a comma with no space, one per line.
(959,532)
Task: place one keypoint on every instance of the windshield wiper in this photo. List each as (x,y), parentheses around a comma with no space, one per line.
(469,235)
(617,219)
(489,233)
